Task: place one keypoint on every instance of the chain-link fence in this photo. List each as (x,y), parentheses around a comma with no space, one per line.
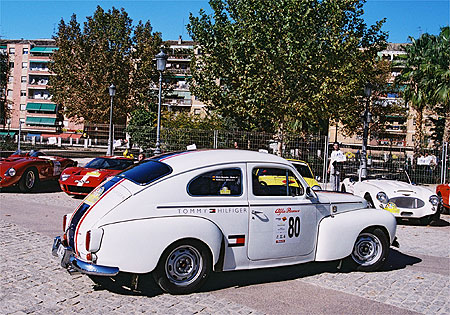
(432,167)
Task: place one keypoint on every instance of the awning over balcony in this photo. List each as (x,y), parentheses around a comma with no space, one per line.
(6,133)
(41,61)
(43,107)
(44,121)
(47,50)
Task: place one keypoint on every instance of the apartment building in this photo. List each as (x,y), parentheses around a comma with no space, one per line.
(178,65)
(30,103)
(399,129)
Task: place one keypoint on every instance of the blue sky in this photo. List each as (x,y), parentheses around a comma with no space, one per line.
(40,18)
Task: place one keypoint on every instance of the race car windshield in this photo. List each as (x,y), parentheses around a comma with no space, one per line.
(146,172)
(109,164)
(304,170)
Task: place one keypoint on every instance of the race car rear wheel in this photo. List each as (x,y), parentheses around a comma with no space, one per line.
(370,250)
(28,180)
(183,267)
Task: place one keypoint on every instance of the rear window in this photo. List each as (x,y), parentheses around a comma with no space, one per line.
(303,170)
(146,172)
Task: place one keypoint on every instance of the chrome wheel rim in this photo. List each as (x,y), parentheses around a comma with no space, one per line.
(367,250)
(183,265)
(30,179)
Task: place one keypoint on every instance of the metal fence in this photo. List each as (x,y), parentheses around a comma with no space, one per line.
(314,149)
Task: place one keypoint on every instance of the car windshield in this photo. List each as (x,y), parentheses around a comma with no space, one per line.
(146,172)
(109,164)
(400,176)
(303,170)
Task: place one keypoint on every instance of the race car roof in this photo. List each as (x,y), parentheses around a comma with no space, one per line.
(181,161)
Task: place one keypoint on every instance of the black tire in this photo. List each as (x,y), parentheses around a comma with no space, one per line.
(29,180)
(429,218)
(369,200)
(370,250)
(183,267)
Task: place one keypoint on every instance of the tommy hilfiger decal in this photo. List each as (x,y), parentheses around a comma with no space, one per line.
(236,240)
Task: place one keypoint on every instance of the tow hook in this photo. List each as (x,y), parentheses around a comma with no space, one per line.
(395,243)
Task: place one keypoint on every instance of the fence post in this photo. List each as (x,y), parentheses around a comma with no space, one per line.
(216,132)
(70,141)
(444,162)
(85,143)
(325,163)
(59,142)
(33,141)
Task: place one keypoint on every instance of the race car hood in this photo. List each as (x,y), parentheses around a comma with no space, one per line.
(342,202)
(82,171)
(393,187)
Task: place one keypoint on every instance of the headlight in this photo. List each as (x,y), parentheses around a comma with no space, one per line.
(316,187)
(11,172)
(382,197)
(434,200)
(64,177)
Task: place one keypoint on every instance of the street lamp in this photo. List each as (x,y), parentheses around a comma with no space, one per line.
(112,92)
(161,60)
(367,118)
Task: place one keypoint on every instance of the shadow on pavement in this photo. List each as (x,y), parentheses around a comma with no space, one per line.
(48,186)
(221,280)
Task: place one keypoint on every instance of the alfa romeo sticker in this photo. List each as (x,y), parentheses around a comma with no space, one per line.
(286,228)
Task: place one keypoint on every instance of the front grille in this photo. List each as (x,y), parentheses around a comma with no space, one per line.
(79,189)
(408,202)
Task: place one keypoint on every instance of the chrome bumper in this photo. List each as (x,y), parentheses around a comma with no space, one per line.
(72,263)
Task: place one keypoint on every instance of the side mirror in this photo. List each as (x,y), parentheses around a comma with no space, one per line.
(318,178)
(309,193)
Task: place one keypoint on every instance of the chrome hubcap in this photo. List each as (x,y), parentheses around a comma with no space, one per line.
(29,180)
(183,265)
(367,250)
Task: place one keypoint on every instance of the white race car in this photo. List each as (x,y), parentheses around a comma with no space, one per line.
(182,215)
(401,198)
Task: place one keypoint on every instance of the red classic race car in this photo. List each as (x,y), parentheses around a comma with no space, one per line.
(443,191)
(82,180)
(26,169)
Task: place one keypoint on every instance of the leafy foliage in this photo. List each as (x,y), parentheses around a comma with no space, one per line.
(108,50)
(287,65)
(427,78)
(4,73)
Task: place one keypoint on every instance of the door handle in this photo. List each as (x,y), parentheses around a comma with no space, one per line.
(256,212)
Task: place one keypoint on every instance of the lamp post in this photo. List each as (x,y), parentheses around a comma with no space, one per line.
(112,92)
(161,60)
(367,118)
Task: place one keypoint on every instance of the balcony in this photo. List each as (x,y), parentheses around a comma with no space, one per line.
(39,65)
(38,80)
(178,102)
(39,95)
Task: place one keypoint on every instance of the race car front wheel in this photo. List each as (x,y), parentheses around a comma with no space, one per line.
(28,180)
(370,250)
(183,267)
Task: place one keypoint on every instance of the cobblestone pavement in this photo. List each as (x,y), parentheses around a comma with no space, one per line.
(422,291)
(31,281)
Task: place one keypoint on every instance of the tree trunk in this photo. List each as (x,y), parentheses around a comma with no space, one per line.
(418,141)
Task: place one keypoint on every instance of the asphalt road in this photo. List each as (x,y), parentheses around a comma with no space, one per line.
(415,279)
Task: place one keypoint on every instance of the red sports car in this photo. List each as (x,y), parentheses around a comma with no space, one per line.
(82,180)
(27,169)
(443,191)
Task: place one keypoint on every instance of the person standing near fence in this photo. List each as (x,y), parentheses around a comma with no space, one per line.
(336,159)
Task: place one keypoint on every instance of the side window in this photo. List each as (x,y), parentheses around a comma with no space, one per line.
(224,182)
(275,182)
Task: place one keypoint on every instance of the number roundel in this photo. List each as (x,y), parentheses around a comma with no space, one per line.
(294,227)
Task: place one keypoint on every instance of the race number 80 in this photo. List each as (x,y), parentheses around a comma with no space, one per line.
(294,227)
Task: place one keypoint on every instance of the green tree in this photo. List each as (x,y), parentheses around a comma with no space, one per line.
(288,65)
(108,50)
(427,79)
(4,73)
